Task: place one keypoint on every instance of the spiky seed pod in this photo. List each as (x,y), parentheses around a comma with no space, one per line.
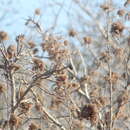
(31,44)
(33,126)
(38,64)
(105,7)
(66,43)
(117,28)
(37,11)
(11,51)
(87,40)
(121,12)
(89,112)
(3,36)
(72,33)
(62,77)
(20,38)
(25,106)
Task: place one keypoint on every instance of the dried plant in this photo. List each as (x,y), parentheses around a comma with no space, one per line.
(77,81)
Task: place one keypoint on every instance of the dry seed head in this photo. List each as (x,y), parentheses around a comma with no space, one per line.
(87,40)
(103,100)
(25,106)
(20,38)
(89,112)
(37,11)
(11,51)
(121,12)
(114,77)
(119,52)
(38,64)
(3,36)
(33,126)
(62,77)
(78,125)
(66,43)
(72,32)
(75,85)
(105,56)
(31,44)
(117,28)
(105,7)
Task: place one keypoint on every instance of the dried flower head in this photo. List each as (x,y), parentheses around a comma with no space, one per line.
(78,125)
(72,32)
(3,36)
(118,52)
(31,44)
(105,7)
(87,40)
(89,112)
(102,101)
(20,38)
(117,28)
(105,57)
(25,106)
(66,42)
(38,64)
(121,12)
(33,126)
(61,77)
(11,51)
(114,77)
(37,11)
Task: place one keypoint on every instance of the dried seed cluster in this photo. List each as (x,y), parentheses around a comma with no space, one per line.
(89,112)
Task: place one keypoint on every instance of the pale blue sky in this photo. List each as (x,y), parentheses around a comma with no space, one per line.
(14,12)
